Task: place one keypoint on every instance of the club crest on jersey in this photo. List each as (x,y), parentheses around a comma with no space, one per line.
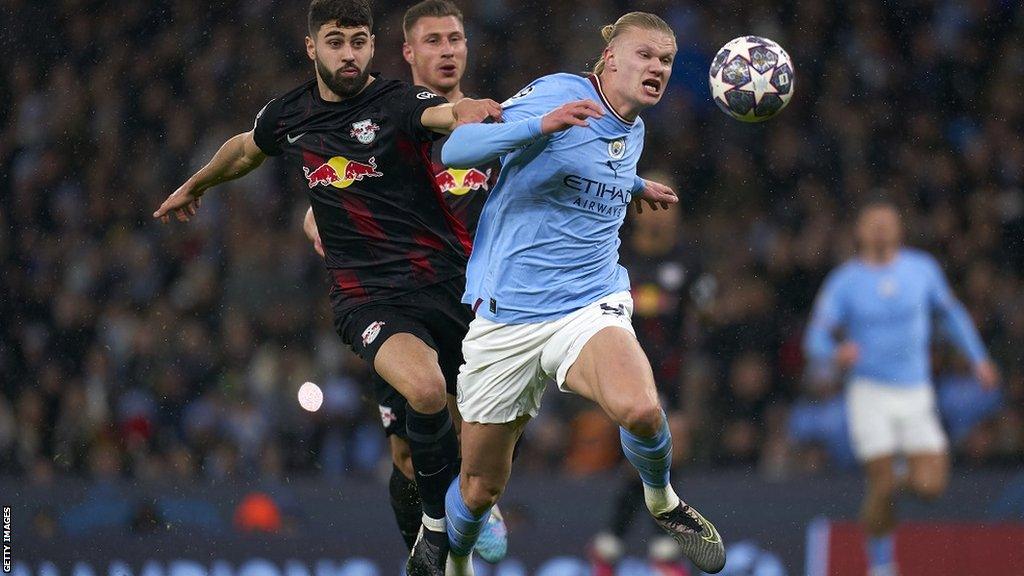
(371,332)
(425,95)
(365,131)
(887,288)
(617,148)
(458,182)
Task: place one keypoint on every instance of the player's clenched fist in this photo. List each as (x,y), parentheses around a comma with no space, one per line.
(469,111)
(569,115)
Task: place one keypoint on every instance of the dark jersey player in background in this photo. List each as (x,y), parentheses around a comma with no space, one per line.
(436,51)
(396,254)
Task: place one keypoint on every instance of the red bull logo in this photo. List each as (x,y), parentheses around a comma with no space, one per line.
(341,172)
(459,182)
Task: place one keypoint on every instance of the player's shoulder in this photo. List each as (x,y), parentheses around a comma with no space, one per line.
(566,79)
(281,112)
(572,85)
(559,86)
(845,271)
(287,106)
(296,95)
(919,258)
(385,84)
(916,255)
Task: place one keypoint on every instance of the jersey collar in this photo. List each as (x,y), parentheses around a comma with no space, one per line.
(596,82)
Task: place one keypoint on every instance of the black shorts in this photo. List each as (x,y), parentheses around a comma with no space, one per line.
(434,314)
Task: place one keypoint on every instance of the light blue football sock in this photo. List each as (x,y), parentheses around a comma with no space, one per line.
(881,550)
(652,457)
(463,526)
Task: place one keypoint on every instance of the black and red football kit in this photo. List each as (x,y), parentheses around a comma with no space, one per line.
(396,253)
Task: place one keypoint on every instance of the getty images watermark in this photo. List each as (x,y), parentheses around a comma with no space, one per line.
(7,539)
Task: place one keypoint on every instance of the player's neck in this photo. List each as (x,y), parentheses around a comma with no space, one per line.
(453,94)
(331,96)
(621,106)
(881,257)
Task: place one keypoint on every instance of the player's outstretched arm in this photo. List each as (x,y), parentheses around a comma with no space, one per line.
(236,158)
(309,227)
(445,117)
(474,144)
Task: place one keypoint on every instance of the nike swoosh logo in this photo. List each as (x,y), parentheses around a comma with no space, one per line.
(293,140)
(713,537)
(432,473)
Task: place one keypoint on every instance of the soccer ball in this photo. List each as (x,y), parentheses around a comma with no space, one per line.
(751,78)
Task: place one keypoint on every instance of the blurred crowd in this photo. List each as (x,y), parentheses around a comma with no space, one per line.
(132,348)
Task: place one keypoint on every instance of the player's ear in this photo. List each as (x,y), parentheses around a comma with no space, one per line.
(310,48)
(609,58)
(407,53)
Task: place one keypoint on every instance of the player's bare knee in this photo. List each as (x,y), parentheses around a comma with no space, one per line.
(643,419)
(428,395)
(480,493)
(929,492)
(931,488)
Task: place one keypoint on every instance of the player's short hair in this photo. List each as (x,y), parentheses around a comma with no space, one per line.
(346,13)
(428,9)
(641,20)
(877,200)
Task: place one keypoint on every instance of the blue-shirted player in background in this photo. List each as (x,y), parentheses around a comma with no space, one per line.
(551,299)
(873,318)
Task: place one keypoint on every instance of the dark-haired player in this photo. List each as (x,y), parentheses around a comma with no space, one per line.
(396,254)
(436,51)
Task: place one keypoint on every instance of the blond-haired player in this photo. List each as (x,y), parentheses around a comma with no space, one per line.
(550,297)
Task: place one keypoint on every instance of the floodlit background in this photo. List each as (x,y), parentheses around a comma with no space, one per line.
(156,359)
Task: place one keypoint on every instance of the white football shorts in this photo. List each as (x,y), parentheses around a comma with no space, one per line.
(508,365)
(886,420)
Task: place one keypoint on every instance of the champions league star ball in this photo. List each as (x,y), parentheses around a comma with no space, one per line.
(751,78)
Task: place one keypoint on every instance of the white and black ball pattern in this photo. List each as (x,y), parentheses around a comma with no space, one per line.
(751,78)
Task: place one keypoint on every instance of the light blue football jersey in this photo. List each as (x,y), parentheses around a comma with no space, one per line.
(887,312)
(548,239)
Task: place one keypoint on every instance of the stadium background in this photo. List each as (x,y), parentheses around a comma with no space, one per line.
(139,353)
